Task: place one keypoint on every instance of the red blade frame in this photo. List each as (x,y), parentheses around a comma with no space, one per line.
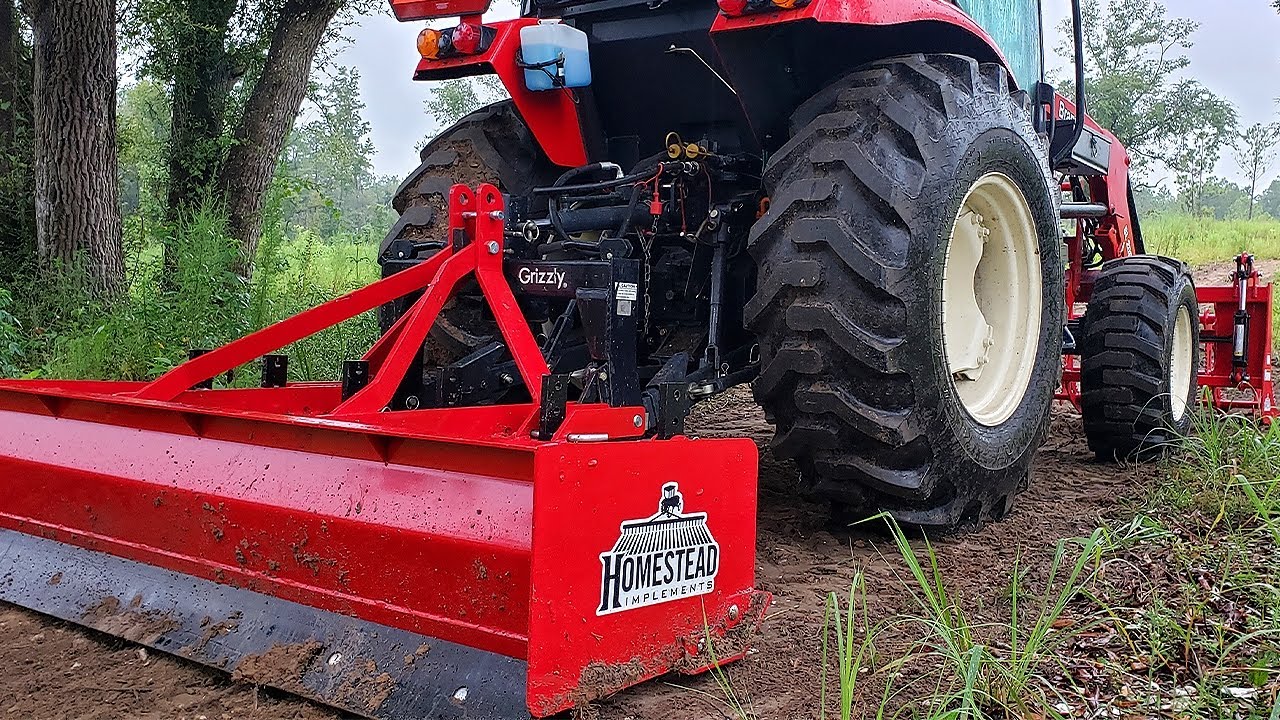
(452,524)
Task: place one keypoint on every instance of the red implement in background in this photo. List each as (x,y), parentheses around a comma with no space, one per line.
(1235,345)
(1235,324)
(416,563)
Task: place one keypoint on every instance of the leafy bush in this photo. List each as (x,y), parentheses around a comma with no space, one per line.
(199,302)
(10,337)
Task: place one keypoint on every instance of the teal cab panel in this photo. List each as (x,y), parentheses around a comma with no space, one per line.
(1015,26)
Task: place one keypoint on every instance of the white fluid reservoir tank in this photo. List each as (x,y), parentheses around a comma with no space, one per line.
(554,55)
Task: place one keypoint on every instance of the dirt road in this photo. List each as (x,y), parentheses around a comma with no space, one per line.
(52,670)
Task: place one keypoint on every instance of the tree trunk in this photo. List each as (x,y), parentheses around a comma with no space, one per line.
(15,78)
(17,206)
(1254,172)
(202,80)
(76,188)
(268,117)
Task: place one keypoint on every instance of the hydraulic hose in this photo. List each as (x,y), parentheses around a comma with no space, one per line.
(586,187)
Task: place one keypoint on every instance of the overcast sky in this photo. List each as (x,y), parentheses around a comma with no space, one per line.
(1236,54)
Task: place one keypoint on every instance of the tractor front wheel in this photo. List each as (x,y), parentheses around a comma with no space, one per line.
(1139,354)
(909,306)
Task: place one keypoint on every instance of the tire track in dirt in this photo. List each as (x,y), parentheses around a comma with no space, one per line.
(54,670)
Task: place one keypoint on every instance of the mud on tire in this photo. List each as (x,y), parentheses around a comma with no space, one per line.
(490,145)
(848,307)
(1137,368)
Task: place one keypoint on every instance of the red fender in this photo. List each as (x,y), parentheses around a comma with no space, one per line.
(552,115)
(865,12)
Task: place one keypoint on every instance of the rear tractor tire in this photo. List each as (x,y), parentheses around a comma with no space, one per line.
(909,306)
(1139,354)
(490,145)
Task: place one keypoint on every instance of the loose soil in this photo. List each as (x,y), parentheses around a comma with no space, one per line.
(55,670)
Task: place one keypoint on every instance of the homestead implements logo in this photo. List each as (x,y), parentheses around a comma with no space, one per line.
(669,556)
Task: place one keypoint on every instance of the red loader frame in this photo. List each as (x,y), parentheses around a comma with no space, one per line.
(478,561)
(1236,332)
(1235,319)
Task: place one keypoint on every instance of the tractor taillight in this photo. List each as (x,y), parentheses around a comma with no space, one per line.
(732,7)
(465,39)
(429,43)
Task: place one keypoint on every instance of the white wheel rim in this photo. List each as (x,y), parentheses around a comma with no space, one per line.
(1182,353)
(991,299)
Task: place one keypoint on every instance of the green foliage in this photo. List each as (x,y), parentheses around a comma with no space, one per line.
(1255,151)
(303,273)
(10,337)
(143,136)
(1136,66)
(1222,199)
(17,181)
(1171,611)
(214,57)
(325,181)
(849,625)
(1191,608)
(1200,240)
(159,34)
(326,174)
(201,303)
(324,214)
(988,669)
(1194,151)
(1228,470)
(1269,201)
(453,99)
(1154,200)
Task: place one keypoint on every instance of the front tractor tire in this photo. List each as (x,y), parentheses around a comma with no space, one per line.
(1139,354)
(909,306)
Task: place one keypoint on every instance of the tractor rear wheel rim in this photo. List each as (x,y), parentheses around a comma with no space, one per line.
(991,299)
(1182,354)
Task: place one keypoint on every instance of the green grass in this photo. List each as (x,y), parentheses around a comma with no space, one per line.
(1200,241)
(1208,620)
(201,302)
(853,650)
(989,669)
(1171,608)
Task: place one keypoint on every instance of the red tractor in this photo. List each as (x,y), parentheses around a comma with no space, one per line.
(854,205)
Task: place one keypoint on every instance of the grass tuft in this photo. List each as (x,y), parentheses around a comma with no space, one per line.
(854,647)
